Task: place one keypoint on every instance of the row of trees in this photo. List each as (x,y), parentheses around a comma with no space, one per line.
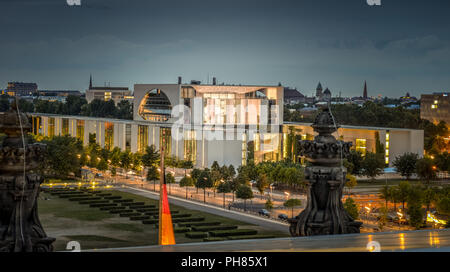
(425,168)
(74,105)
(416,197)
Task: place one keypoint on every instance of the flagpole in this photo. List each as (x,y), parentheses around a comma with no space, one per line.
(161,193)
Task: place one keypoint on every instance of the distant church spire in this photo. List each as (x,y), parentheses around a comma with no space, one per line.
(319,91)
(90,82)
(365,90)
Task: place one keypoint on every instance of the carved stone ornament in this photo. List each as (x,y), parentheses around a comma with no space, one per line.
(324,213)
(20,228)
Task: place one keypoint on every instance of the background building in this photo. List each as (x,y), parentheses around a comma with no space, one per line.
(21,89)
(106,93)
(435,107)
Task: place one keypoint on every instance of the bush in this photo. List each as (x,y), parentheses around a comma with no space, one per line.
(84,198)
(113,197)
(122,200)
(237,232)
(211,228)
(196,235)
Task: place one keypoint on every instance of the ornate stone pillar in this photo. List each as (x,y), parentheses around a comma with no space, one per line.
(325,179)
(20,228)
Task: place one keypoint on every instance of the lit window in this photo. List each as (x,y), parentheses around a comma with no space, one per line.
(435,101)
(434,106)
(361,145)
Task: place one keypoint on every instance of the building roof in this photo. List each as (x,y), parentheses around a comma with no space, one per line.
(319,86)
(355,127)
(292,93)
(327,91)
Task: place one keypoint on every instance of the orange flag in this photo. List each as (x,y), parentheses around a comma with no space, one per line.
(166,235)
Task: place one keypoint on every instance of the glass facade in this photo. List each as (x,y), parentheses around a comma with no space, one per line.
(37,125)
(109,136)
(190,146)
(360,145)
(51,127)
(165,140)
(142,138)
(128,137)
(65,126)
(80,130)
(155,106)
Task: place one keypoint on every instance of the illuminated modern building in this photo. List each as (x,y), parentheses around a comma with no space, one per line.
(435,107)
(205,123)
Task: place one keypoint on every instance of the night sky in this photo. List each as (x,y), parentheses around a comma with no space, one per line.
(400,46)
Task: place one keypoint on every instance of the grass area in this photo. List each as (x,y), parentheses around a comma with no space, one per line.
(94,228)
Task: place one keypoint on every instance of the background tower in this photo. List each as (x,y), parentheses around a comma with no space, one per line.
(365,90)
(319,91)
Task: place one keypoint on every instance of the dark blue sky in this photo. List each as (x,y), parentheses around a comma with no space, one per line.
(402,45)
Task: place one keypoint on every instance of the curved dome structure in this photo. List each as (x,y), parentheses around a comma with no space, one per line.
(155,106)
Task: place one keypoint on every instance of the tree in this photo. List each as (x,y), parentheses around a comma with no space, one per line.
(429,195)
(124,110)
(169,180)
(262,183)
(102,165)
(415,212)
(385,194)
(443,206)
(187,182)
(269,204)
(61,156)
(224,187)
(291,203)
(355,158)
(372,165)
(442,161)
(151,156)
(152,175)
(204,181)
(424,169)
(125,160)
(403,191)
(406,164)
(394,194)
(351,208)
(195,173)
(244,192)
(351,182)
(382,220)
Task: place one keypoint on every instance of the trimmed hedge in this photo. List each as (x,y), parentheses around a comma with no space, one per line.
(72,195)
(211,228)
(188,219)
(259,236)
(99,205)
(94,201)
(108,208)
(87,198)
(112,197)
(213,239)
(142,217)
(150,221)
(196,235)
(190,224)
(129,214)
(104,194)
(119,211)
(141,204)
(122,200)
(181,230)
(236,232)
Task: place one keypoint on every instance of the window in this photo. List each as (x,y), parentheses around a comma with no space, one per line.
(165,140)
(361,146)
(51,127)
(142,138)
(128,137)
(109,135)
(65,126)
(190,146)
(155,106)
(80,130)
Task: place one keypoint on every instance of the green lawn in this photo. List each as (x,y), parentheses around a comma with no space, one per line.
(93,228)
